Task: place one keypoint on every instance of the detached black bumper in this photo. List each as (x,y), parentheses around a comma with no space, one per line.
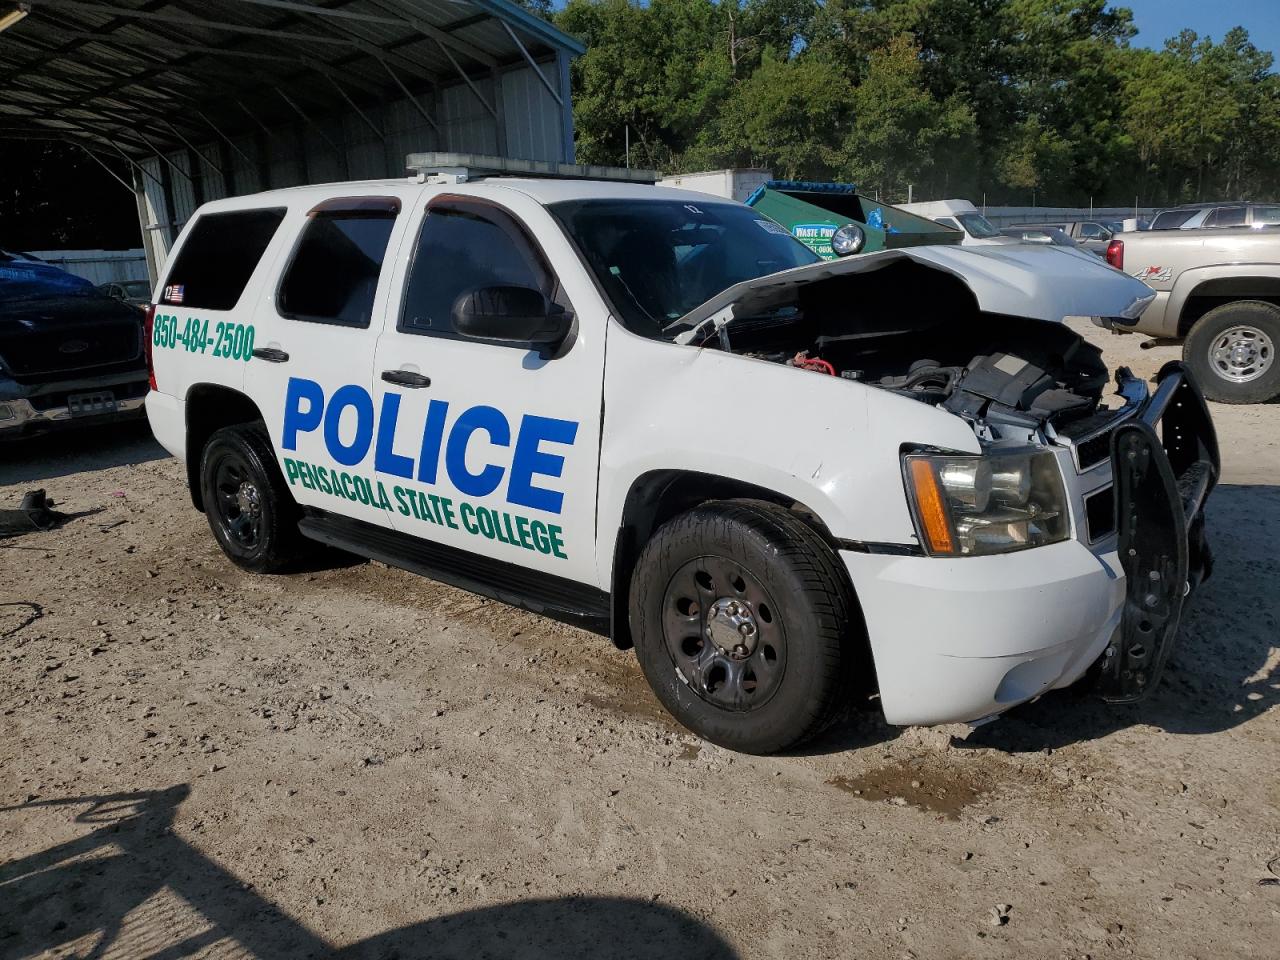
(1166,463)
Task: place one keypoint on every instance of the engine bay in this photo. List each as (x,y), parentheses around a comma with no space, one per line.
(919,333)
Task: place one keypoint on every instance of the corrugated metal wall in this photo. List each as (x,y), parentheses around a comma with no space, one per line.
(99,266)
(346,148)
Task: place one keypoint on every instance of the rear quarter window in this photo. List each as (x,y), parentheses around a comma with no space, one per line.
(218,258)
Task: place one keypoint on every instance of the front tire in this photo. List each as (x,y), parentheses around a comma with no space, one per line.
(250,511)
(744,625)
(1232,352)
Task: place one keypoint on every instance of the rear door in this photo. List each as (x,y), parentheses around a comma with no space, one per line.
(313,352)
(491,447)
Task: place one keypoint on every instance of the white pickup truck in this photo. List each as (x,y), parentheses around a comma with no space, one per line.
(785,481)
(1217,291)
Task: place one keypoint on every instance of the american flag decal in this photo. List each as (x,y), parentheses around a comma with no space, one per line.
(173,293)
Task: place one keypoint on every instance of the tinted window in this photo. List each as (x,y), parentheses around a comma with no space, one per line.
(1094,231)
(1226,217)
(461,249)
(658,259)
(218,258)
(1265,215)
(334,272)
(1171,219)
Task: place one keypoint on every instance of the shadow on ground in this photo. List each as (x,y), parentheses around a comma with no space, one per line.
(73,451)
(132,887)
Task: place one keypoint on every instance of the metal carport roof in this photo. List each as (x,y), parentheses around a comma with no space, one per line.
(139,77)
(209,99)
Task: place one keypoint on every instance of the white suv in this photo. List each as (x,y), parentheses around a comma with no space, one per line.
(656,414)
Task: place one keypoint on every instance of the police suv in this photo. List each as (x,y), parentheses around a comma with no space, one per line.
(785,481)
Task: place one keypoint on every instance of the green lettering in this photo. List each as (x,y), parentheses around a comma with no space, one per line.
(522,524)
(557,545)
(541,542)
(446,505)
(400,504)
(469,517)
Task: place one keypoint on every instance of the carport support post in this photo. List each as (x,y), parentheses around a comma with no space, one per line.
(499,114)
(148,240)
(566,106)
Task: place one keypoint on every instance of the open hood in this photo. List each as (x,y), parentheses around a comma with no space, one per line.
(1018,280)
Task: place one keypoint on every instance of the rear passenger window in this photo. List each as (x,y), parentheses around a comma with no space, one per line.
(1226,217)
(333,275)
(218,258)
(462,248)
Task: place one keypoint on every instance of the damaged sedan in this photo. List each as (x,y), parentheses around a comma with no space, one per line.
(786,482)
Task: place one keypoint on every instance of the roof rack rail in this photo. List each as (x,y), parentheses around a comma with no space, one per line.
(461,167)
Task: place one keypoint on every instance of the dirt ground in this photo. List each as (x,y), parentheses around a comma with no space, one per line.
(353,761)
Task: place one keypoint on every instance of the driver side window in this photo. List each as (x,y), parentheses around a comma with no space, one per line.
(464,247)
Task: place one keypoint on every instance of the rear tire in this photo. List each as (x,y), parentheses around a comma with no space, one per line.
(1232,351)
(744,625)
(251,512)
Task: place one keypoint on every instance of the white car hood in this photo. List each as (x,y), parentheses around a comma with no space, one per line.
(1020,280)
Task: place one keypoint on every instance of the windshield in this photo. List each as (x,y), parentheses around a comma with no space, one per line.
(658,259)
(136,288)
(977,226)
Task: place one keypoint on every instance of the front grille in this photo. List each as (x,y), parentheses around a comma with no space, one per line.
(1100,513)
(42,355)
(1093,451)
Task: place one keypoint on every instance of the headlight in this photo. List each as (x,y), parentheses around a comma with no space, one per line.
(975,505)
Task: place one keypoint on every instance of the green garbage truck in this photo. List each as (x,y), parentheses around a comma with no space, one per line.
(814,211)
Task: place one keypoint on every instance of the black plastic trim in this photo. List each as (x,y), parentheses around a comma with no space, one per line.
(566,600)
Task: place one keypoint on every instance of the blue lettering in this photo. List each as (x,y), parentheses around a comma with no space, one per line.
(455,458)
(295,419)
(529,461)
(359,400)
(385,459)
(432,434)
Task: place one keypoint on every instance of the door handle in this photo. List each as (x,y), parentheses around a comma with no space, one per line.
(406,378)
(270,354)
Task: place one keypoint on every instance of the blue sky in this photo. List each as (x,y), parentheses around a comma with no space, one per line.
(1157,20)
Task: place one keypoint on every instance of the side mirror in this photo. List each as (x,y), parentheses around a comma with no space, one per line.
(511,314)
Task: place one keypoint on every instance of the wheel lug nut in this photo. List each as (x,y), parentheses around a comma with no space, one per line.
(746,629)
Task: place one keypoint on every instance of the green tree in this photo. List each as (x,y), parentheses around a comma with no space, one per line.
(901,134)
(787,115)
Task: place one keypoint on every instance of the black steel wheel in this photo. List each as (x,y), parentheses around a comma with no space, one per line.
(745,625)
(722,635)
(238,500)
(250,511)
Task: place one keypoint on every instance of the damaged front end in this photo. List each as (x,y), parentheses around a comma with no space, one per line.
(980,336)
(1165,463)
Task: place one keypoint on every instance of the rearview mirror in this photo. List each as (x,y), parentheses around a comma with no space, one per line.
(511,315)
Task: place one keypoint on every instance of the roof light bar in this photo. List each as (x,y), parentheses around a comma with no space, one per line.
(461,167)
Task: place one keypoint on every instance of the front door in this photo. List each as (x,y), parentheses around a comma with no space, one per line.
(491,446)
